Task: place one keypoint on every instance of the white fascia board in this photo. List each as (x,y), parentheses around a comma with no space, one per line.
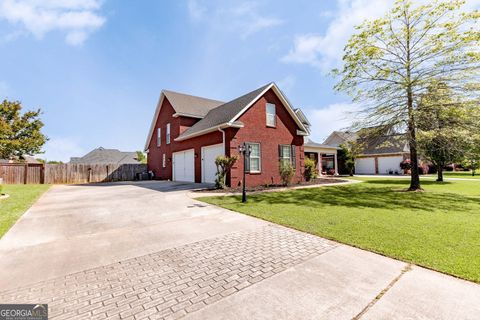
(208,130)
(282,98)
(154,120)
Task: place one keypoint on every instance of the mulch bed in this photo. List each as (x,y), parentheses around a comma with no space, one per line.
(317,181)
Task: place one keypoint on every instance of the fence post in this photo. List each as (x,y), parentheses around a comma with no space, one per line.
(42,174)
(25,174)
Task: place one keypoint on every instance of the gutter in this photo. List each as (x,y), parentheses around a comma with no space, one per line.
(208,130)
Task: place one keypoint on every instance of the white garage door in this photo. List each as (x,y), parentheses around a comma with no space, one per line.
(389,164)
(184,166)
(365,166)
(209,169)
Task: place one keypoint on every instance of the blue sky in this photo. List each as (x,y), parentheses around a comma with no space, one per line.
(96,67)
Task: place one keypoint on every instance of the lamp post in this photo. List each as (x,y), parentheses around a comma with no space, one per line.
(245,150)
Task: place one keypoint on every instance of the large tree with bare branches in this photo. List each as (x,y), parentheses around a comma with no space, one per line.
(390,62)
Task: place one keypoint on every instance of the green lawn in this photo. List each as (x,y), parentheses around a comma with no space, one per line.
(439,228)
(461,174)
(21,198)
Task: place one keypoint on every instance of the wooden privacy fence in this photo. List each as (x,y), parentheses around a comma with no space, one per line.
(12,173)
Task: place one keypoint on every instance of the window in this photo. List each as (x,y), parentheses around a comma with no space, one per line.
(271,115)
(164,163)
(287,154)
(254,164)
(159,137)
(167,138)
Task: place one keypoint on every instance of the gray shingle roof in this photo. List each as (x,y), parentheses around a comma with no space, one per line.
(191,105)
(396,143)
(223,113)
(104,156)
(312,144)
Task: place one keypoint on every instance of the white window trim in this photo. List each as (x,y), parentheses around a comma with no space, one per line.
(259,158)
(289,158)
(164,160)
(270,114)
(167,135)
(159,137)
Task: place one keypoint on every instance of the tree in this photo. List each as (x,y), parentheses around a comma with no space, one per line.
(443,126)
(471,160)
(141,157)
(20,135)
(224,165)
(389,63)
(350,151)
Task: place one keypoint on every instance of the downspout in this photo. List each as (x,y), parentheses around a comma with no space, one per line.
(224,151)
(223,140)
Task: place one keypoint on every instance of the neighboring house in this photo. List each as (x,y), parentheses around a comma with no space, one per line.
(324,155)
(380,155)
(187,134)
(106,156)
(336,138)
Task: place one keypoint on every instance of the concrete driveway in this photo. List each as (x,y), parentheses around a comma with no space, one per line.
(148,250)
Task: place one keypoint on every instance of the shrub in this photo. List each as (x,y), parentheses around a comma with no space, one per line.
(310,169)
(286,172)
(406,165)
(224,165)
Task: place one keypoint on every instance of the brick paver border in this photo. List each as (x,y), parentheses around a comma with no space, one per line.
(173,282)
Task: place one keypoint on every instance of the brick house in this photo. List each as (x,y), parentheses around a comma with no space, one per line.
(187,134)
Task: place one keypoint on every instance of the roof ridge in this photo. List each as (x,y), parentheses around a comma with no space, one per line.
(191,95)
(242,96)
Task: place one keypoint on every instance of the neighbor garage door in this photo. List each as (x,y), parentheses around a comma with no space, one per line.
(184,166)
(365,166)
(389,164)
(209,169)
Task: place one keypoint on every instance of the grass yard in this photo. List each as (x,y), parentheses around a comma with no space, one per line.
(462,174)
(21,198)
(439,228)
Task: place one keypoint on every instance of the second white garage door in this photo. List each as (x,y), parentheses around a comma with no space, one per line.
(209,169)
(389,164)
(184,166)
(365,166)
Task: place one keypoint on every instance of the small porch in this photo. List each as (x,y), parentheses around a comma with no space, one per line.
(325,158)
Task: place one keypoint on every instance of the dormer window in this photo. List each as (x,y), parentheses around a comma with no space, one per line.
(271,115)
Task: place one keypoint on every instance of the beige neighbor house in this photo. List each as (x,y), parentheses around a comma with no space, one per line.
(381,155)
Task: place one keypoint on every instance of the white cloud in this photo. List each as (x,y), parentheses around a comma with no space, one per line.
(76,18)
(333,117)
(325,50)
(61,149)
(244,19)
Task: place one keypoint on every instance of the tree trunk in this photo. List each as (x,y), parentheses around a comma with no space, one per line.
(415,177)
(439,173)
(414,174)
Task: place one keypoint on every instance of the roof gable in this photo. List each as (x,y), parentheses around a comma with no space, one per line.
(227,114)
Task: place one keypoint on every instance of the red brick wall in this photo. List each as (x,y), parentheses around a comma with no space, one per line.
(256,130)
(177,125)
